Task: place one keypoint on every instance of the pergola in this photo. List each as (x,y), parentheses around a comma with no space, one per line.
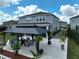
(27,31)
(35,31)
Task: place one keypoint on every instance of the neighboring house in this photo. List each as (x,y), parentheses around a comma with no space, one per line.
(40,19)
(9,24)
(2,28)
(74,22)
(63,25)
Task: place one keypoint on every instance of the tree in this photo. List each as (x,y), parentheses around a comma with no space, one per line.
(2,42)
(17,44)
(1,46)
(38,39)
(16,47)
(49,37)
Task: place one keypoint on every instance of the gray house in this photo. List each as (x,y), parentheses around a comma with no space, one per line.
(74,22)
(9,24)
(40,19)
(63,25)
(36,23)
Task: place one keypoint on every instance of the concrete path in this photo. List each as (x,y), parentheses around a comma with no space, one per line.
(52,51)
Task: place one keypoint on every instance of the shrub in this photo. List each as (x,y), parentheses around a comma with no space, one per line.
(73,35)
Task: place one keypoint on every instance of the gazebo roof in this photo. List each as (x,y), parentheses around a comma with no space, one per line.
(27,30)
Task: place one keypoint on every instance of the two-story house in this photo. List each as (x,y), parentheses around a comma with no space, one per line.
(63,25)
(36,23)
(74,22)
(40,19)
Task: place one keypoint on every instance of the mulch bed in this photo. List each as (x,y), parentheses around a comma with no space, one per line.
(13,55)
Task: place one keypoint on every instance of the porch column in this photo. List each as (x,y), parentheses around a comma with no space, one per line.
(32,37)
(17,37)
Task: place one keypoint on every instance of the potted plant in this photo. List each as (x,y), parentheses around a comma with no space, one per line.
(49,37)
(62,42)
(62,39)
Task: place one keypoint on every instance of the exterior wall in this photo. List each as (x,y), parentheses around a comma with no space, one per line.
(63,24)
(74,22)
(51,19)
(55,24)
(35,18)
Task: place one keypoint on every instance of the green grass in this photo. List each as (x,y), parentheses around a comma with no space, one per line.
(73,50)
(9,37)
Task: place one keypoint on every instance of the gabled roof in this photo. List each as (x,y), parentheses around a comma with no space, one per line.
(39,13)
(74,17)
(9,23)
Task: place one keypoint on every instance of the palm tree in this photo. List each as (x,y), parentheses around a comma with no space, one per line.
(2,42)
(38,39)
(49,37)
(1,46)
(16,47)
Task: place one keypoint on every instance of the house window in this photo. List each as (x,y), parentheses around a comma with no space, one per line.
(37,20)
(40,19)
(43,19)
(27,20)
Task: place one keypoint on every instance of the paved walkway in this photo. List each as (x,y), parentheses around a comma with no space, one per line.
(13,56)
(52,51)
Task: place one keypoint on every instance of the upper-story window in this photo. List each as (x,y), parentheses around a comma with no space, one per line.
(43,19)
(37,20)
(28,19)
(40,19)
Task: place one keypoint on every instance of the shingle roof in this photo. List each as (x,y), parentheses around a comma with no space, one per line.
(40,13)
(74,17)
(27,30)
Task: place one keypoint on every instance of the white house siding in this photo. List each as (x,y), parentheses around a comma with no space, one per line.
(74,22)
(49,18)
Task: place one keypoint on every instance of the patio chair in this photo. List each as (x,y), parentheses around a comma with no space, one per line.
(12,42)
(28,42)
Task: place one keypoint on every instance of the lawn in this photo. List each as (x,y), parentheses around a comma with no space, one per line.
(9,36)
(73,50)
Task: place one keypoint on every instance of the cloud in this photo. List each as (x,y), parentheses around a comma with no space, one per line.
(64,18)
(20,11)
(76,5)
(68,10)
(8,2)
(28,10)
(6,17)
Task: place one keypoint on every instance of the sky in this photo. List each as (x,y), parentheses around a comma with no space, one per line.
(12,9)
